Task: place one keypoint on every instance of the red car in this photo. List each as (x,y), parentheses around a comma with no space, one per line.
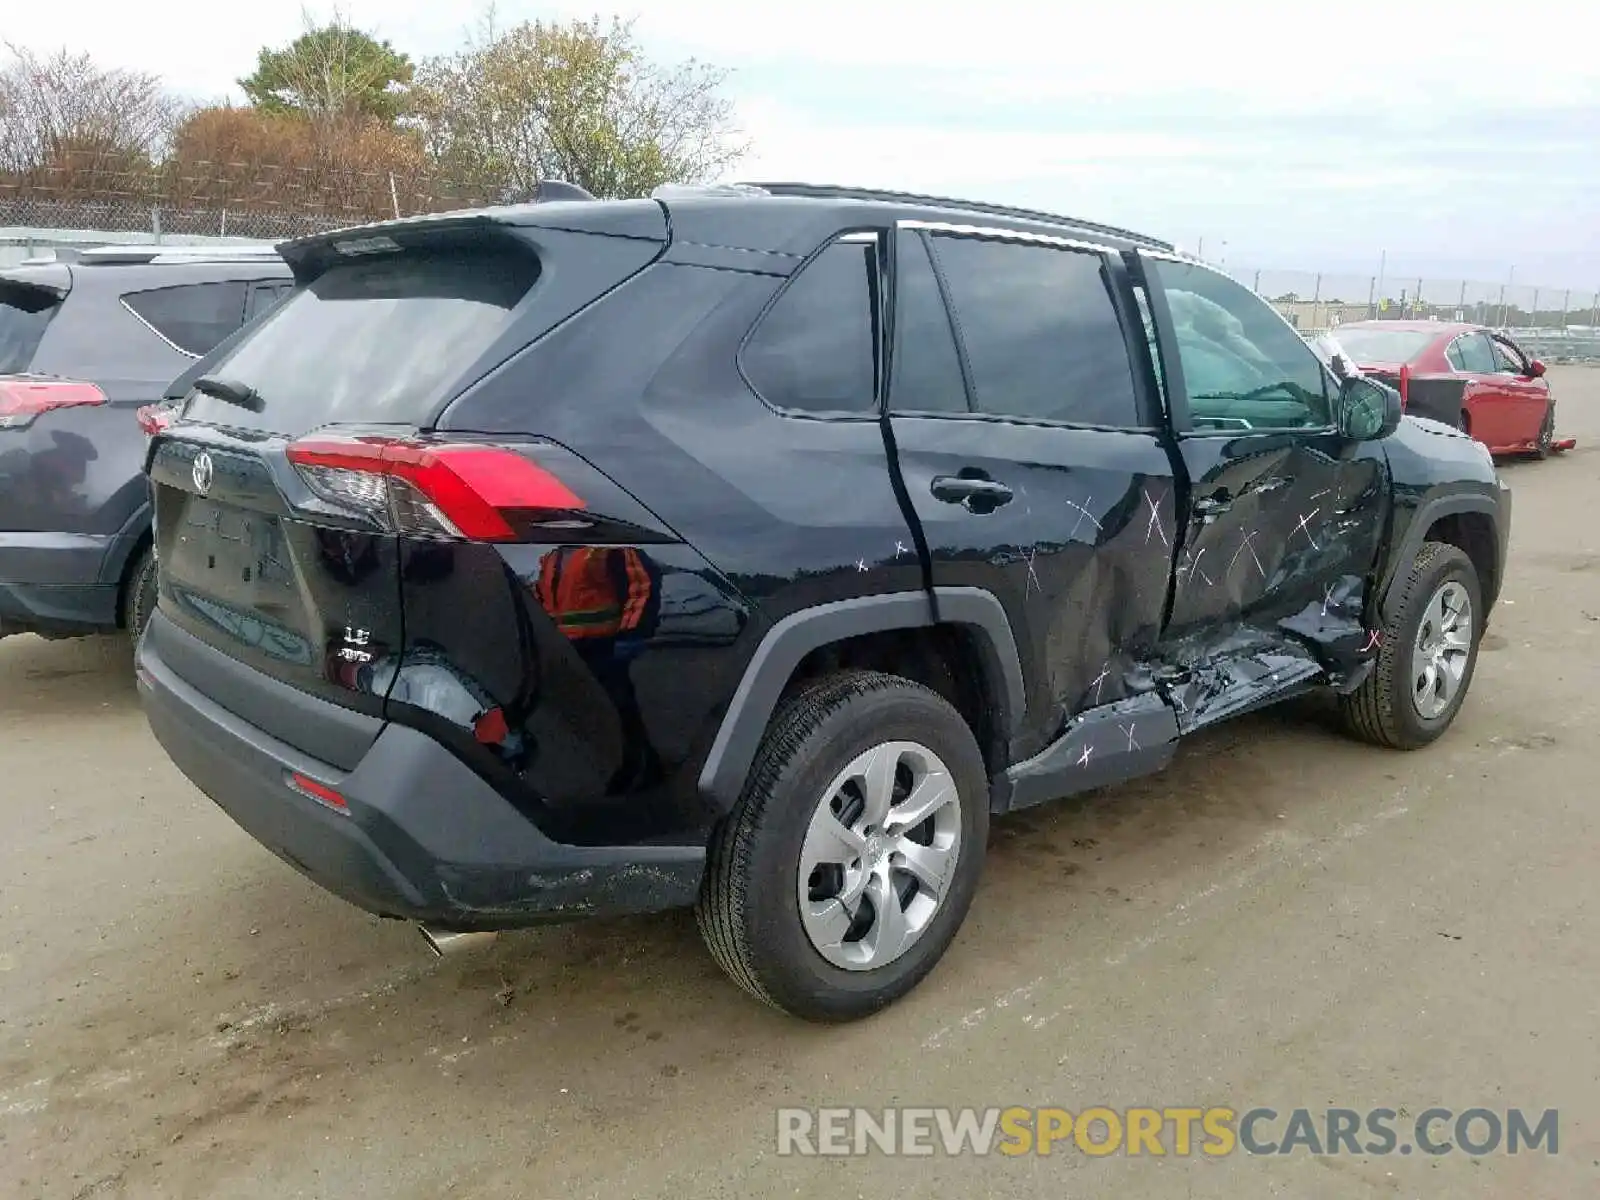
(1468,376)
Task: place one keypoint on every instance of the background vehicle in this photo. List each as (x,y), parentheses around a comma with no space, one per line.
(1474,378)
(750,549)
(83,344)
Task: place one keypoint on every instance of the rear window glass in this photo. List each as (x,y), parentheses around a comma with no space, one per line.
(194,317)
(1382,345)
(24,313)
(374,340)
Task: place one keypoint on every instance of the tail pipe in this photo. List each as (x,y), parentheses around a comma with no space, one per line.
(449,941)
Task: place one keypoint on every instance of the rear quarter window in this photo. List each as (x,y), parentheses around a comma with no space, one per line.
(194,317)
(372,340)
(815,350)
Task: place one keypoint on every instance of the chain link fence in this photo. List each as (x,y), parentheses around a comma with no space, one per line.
(87,203)
(218,199)
(1557,324)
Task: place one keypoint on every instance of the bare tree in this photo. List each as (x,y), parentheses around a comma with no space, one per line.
(78,122)
(579,102)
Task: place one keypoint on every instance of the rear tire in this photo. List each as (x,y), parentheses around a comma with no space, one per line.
(785,911)
(140,599)
(1402,705)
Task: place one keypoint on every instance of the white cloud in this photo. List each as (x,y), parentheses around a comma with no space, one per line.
(1452,127)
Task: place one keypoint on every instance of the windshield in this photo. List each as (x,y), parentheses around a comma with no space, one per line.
(1369,345)
(24,313)
(374,340)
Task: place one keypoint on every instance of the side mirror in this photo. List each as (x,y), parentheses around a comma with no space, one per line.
(1367,410)
(1535,369)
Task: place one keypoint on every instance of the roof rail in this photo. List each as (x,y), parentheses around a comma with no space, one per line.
(145,254)
(834,192)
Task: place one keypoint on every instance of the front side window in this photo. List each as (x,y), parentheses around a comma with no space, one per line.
(815,349)
(1244,368)
(1477,354)
(194,317)
(1041,336)
(1509,358)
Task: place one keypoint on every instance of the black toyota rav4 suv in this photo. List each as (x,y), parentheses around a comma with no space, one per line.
(748,548)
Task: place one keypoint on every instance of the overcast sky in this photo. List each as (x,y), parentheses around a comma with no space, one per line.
(1462,139)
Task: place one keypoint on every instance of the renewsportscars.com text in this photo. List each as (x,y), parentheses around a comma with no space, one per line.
(1171,1131)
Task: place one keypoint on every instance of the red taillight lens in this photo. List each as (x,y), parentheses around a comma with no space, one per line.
(21,400)
(445,490)
(153,418)
(1405,380)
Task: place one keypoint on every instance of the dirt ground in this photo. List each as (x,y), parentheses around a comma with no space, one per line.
(1283,918)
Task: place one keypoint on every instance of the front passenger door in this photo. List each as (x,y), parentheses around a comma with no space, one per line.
(1283,515)
(1030,454)
(1524,397)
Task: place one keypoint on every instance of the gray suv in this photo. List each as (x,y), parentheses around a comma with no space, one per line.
(84,343)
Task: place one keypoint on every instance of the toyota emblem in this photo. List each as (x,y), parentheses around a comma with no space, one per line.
(203,471)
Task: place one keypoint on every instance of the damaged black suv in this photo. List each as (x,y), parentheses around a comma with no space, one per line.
(749,547)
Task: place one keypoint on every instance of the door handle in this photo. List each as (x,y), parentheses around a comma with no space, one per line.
(973,494)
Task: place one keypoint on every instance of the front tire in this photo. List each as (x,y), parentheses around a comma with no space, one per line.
(849,863)
(1426,656)
(1547,434)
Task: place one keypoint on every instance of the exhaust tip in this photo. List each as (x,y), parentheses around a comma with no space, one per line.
(448,941)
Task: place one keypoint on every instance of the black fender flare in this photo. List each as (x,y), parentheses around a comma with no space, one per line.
(119,552)
(727,763)
(1423,518)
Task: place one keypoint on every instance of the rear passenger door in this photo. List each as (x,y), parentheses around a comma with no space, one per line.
(1026,432)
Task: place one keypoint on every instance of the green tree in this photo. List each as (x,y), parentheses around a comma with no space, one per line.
(332,71)
(577,101)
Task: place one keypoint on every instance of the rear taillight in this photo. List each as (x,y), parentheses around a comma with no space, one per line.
(21,400)
(431,490)
(1405,381)
(153,418)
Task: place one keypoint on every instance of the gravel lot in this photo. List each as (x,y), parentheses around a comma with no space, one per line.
(1283,918)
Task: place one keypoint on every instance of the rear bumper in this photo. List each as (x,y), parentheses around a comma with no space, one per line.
(425,838)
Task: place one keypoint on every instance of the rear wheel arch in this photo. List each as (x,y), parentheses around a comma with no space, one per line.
(135,541)
(968,655)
